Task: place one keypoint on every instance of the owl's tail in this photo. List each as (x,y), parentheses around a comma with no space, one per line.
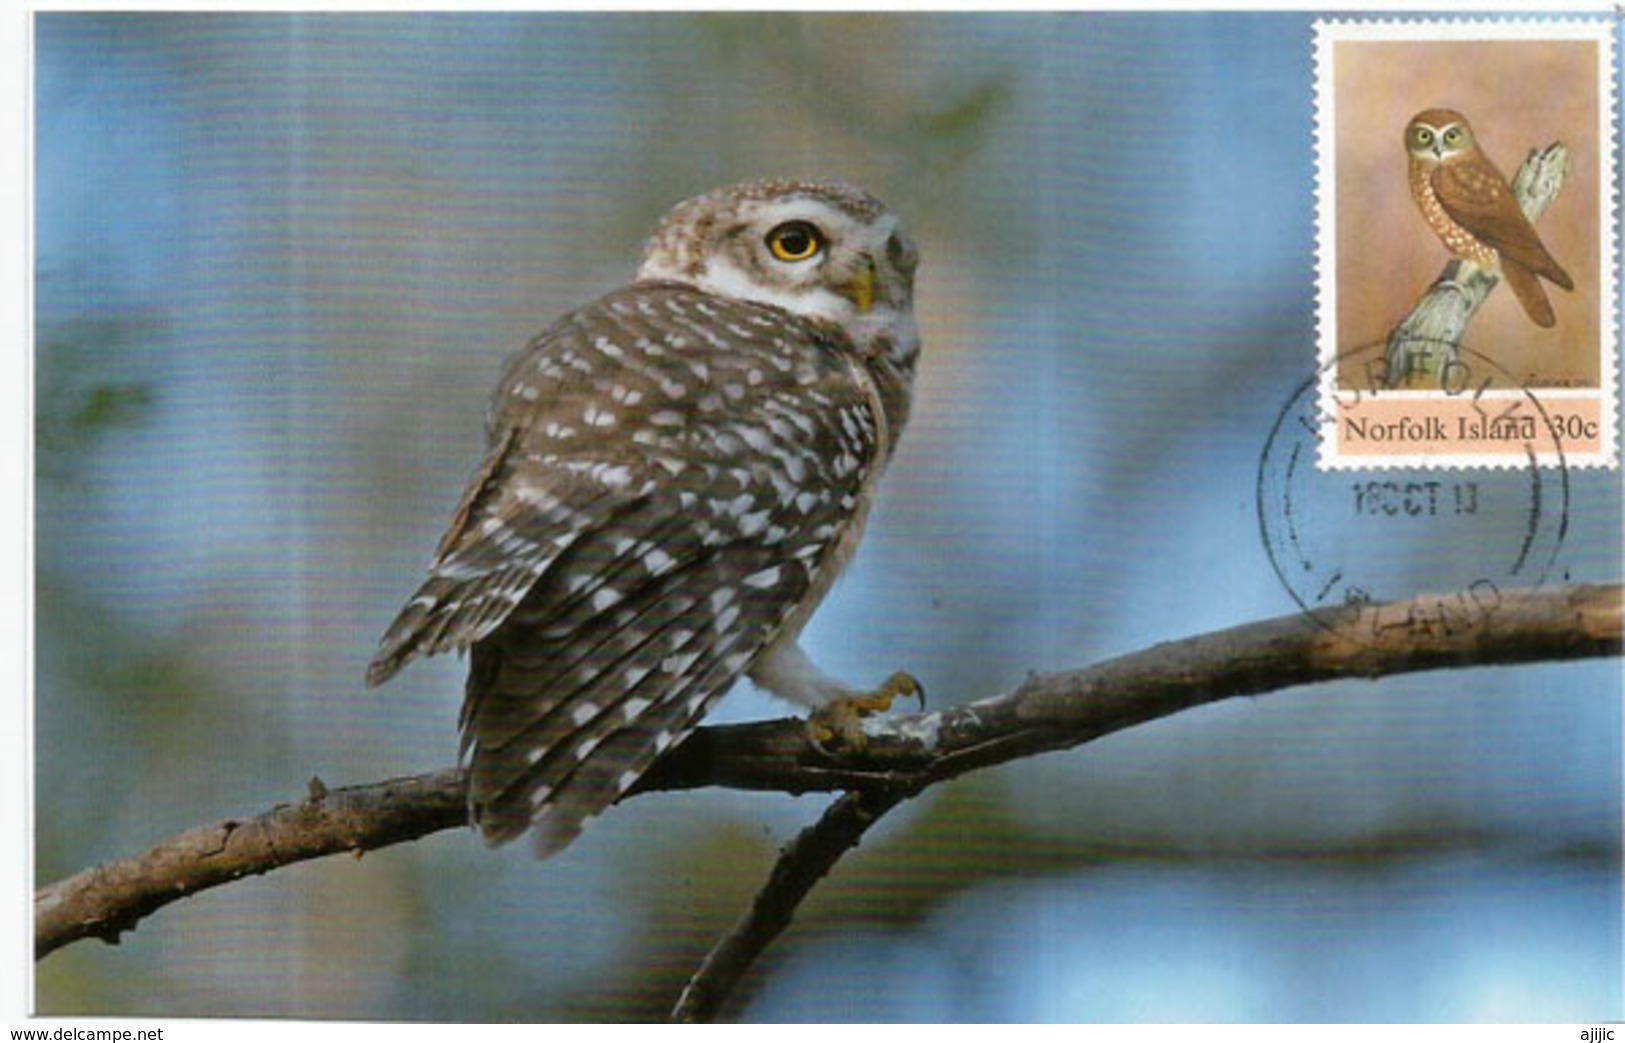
(550,748)
(1526,287)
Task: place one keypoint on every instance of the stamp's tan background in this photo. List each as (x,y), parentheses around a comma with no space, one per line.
(1517,95)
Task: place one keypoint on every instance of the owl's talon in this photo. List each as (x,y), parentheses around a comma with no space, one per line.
(901,684)
(821,734)
(838,725)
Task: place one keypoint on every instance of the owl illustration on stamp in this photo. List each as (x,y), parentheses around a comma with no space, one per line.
(1470,206)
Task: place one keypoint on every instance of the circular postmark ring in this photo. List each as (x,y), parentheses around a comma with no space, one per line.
(1464,533)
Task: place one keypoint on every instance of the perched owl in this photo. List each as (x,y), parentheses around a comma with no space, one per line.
(677,472)
(1470,206)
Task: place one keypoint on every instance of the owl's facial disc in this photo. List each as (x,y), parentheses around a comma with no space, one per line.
(822,251)
(808,250)
(809,257)
(1434,133)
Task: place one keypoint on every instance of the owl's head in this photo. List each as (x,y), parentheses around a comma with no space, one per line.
(822,250)
(1436,135)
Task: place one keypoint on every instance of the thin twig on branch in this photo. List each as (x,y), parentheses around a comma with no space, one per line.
(902,755)
(1425,348)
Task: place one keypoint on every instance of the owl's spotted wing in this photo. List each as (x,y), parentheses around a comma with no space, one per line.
(505,533)
(669,473)
(572,700)
(1476,196)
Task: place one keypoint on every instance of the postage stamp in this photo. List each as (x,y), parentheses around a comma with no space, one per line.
(1466,244)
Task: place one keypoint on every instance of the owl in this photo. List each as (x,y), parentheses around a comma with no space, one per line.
(676,474)
(1471,208)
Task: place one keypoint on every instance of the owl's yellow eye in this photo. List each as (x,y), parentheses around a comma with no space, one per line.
(1424,136)
(1452,136)
(795,241)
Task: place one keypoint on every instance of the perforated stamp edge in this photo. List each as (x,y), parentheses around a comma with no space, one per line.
(1409,417)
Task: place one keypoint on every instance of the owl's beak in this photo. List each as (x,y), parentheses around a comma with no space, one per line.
(861,290)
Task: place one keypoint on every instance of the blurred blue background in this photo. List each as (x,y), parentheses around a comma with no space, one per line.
(280,260)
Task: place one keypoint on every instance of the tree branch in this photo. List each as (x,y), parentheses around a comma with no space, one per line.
(1425,348)
(800,867)
(902,755)
(1061,710)
(105,901)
